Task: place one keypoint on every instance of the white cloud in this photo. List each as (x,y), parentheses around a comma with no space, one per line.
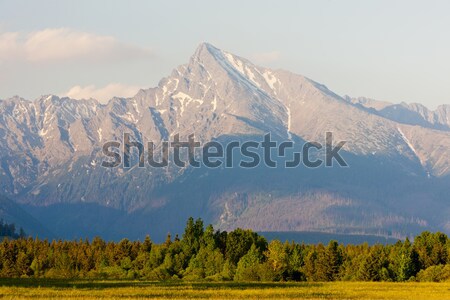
(102,94)
(266,57)
(64,44)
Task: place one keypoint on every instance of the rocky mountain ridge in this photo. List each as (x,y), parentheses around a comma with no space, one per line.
(51,155)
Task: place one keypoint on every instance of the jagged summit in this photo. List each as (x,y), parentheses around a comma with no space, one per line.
(205,46)
(207,49)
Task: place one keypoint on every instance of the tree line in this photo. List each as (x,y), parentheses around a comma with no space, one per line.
(9,230)
(241,255)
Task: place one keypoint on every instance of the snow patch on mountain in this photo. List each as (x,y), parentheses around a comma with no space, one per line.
(289,134)
(410,145)
(271,80)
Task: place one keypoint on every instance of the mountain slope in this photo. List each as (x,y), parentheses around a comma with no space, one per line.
(13,213)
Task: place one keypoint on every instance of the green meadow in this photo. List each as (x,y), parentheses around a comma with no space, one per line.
(81,289)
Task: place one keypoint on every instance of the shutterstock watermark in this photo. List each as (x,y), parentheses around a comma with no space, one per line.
(230,154)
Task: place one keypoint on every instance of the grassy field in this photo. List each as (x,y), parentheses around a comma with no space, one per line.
(67,289)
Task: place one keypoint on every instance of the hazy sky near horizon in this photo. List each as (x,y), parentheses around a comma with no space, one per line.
(388,50)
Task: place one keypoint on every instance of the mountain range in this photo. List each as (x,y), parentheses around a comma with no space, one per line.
(397,183)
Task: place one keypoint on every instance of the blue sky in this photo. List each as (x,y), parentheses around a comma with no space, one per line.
(388,50)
